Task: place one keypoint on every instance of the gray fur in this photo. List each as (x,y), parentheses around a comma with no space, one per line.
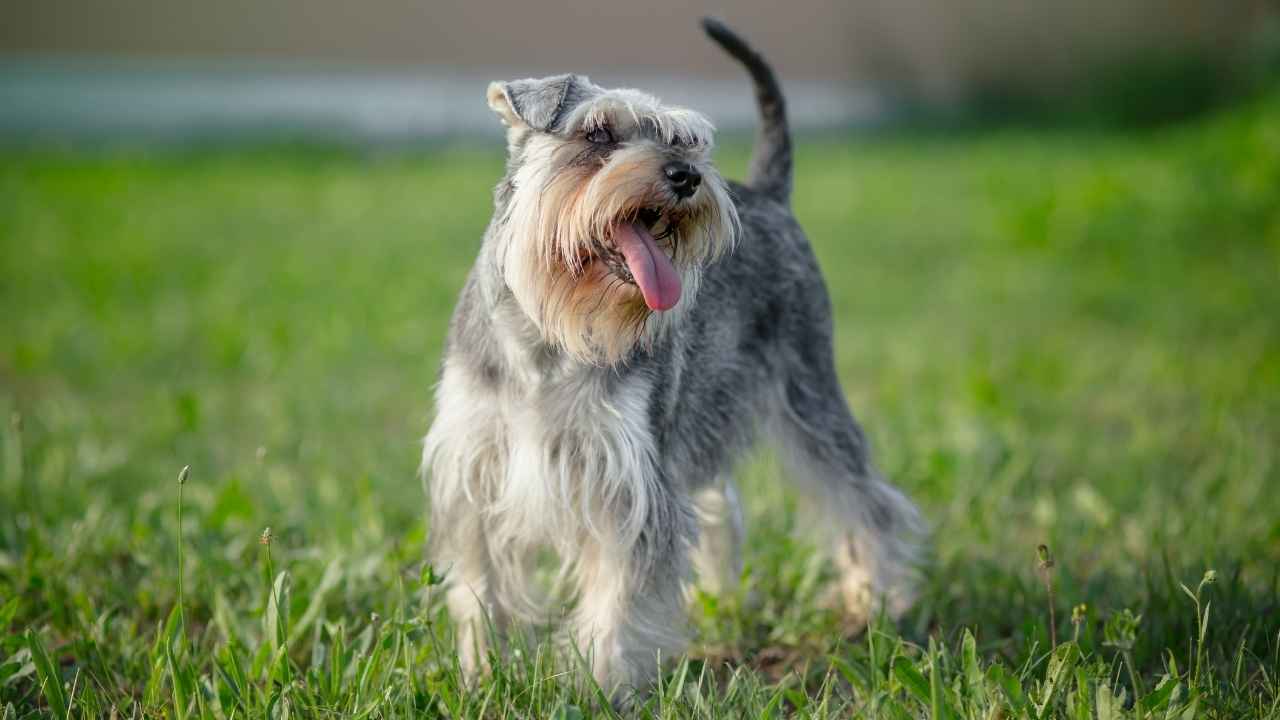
(541,102)
(534,447)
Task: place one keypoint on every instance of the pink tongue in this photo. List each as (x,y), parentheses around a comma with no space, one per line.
(650,266)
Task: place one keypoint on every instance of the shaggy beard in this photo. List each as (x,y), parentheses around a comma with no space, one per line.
(554,225)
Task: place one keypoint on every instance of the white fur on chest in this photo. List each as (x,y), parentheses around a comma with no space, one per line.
(566,452)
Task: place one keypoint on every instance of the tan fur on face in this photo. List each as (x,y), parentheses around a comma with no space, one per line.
(570,198)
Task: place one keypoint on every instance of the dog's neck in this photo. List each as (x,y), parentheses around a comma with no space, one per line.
(514,341)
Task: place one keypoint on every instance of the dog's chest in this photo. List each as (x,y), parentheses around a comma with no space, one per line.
(579,453)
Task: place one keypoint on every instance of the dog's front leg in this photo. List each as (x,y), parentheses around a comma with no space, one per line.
(631,612)
(472,599)
(463,457)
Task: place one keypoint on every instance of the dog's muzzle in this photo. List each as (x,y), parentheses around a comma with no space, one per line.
(683,178)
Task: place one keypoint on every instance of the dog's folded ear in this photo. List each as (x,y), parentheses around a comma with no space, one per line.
(537,103)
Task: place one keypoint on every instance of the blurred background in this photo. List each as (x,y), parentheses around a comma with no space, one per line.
(408,70)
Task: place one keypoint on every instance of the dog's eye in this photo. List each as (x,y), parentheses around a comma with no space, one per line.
(677,141)
(600,136)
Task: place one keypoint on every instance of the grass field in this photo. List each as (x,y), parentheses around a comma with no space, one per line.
(1063,337)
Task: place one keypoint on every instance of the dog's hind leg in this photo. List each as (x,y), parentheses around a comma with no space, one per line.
(874,526)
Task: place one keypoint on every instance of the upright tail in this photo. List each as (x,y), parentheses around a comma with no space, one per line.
(770,171)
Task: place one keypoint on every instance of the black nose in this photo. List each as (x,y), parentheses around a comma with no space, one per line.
(683,178)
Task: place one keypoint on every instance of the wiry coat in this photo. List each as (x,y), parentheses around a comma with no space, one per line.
(611,442)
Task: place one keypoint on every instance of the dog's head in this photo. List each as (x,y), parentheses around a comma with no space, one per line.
(609,210)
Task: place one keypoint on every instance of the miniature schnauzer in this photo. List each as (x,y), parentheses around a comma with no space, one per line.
(632,322)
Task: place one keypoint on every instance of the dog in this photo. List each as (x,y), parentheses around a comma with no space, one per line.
(632,324)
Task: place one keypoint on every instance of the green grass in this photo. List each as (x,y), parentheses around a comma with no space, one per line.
(1055,337)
